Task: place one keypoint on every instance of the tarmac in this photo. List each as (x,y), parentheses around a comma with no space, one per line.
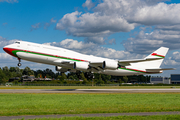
(171,90)
(88,115)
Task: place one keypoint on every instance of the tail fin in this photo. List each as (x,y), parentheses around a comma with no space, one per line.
(159,53)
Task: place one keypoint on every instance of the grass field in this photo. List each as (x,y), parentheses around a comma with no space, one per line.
(89,87)
(155,117)
(41,104)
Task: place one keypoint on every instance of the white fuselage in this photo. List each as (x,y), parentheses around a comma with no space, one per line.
(56,56)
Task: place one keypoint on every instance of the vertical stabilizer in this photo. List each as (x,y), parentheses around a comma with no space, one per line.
(153,64)
(159,53)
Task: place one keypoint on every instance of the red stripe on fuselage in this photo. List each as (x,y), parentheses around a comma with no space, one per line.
(9,51)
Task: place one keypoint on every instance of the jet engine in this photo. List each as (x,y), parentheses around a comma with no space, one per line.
(81,65)
(110,65)
(60,69)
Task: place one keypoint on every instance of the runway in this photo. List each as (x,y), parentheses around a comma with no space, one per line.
(88,115)
(89,90)
(170,90)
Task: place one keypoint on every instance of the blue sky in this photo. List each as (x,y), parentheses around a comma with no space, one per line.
(118,29)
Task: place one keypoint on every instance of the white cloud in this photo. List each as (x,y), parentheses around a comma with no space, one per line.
(4,41)
(143,42)
(88,4)
(159,14)
(94,49)
(93,25)
(5,56)
(110,17)
(176,56)
(168,27)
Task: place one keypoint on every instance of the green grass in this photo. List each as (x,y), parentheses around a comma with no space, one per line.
(88,87)
(155,117)
(41,104)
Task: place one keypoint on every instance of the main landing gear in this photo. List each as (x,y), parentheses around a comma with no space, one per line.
(19,64)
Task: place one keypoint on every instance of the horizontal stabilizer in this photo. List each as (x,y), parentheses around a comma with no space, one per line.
(127,62)
(159,69)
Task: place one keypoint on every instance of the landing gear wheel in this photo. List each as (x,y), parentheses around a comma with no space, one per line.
(19,64)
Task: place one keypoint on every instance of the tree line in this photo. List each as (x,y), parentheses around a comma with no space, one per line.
(70,77)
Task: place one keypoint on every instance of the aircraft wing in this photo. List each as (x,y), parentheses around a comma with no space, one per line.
(127,62)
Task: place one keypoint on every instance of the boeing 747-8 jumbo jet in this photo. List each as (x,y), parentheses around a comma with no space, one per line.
(67,60)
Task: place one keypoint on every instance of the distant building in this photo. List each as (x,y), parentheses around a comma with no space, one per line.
(160,80)
(27,78)
(175,78)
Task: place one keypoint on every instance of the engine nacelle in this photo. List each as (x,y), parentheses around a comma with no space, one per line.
(81,65)
(60,69)
(110,65)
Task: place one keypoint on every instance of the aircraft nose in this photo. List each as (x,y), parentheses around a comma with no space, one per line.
(5,49)
(9,51)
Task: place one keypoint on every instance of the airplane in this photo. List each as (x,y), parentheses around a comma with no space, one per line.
(67,60)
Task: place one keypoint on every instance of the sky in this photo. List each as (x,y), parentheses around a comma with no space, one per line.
(117,29)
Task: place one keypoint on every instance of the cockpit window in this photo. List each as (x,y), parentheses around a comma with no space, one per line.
(17,42)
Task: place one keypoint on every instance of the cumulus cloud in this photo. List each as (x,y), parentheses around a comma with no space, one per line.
(110,17)
(4,41)
(92,25)
(176,56)
(145,41)
(159,14)
(5,56)
(169,27)
(94,49)
(96,24)
(88,4)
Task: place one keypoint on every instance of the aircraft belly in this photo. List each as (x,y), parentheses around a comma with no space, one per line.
(36,58)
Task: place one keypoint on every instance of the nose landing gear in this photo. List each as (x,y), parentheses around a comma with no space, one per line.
(19,64)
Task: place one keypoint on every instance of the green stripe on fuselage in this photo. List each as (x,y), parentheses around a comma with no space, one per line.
(132,70)
(15,53)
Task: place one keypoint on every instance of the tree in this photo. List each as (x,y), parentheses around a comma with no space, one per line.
(83,78)
(5,69)
(3,77)
(49,72)
(125,78)
(27,71)
(71,77)
(12,69)
(6,72)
